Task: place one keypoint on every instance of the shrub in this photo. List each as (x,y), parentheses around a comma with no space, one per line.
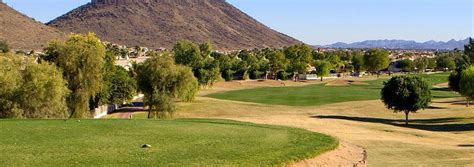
(406,94)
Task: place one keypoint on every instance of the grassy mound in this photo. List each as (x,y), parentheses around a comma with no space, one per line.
(195,142)
(318,94)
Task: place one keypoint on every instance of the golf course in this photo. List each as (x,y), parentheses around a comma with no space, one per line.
(287,126)
(320,94)
(440,135)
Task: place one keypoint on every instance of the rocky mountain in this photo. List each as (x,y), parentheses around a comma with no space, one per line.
(403,44)
(160,23)
(22,32)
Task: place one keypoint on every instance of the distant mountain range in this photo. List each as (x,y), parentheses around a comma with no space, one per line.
(402,44)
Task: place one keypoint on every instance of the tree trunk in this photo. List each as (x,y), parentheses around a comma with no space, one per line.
(149,112)
(406,117)
(467,102)
(321,79)
(150,107)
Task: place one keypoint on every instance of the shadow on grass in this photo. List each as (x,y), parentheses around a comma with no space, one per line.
(128,109)
(436,108)
(438,125)
(441,89)
(466,145)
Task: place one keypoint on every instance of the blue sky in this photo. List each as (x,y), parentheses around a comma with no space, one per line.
(329,21)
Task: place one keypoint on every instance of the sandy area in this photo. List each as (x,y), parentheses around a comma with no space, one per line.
(345,155)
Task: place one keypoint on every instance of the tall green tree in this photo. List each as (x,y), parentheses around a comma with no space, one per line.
(406,94)
(358,63)
(4,48)
(406,65)
(187,53)
(454,80)
(227,64)
(123,87)
(162,81)
(323,68)
(421,64)
(277,62)
(469,50)
(31,90)
(203,65)
(81,58)
(300,56)
(43,92)
(10,79)
(445,62)
(376,60)
(466,84)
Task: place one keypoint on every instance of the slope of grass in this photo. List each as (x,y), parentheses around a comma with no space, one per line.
(195,142)
(318,94)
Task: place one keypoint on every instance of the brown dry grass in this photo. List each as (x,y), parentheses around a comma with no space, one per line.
(440,136)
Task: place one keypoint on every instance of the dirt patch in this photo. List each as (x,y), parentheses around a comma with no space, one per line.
(341,82)
(442,85)
(345,155)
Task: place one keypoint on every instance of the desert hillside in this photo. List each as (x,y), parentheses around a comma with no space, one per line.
(160,23)
(22,32)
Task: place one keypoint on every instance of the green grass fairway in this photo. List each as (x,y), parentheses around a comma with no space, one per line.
(182,142)
(319,94)
(436,78)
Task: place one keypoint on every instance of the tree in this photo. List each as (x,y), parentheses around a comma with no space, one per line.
(81,59)
(406,94)
(406,65)
(206,49)
(421,64)
(227,65)
(469,50)
(334,59)
(466,84)
(43,92)
(277,62)
(376,60)
(104,95)
(431,63)
(4,48)
(10,79)
(454,81)
(208,74)
(31,90)
(188,54)
(162,81)
(203,66)
(300,56)
(445,62)
(358,62)
(122,88)
(322,68)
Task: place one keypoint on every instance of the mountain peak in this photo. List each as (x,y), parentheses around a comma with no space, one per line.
(161,23)
(112,2)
